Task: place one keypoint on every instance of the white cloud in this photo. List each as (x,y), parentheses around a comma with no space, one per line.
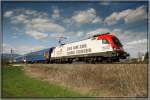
(4,44)
(36,24)
(88,16)
(44,25)
(76,34)
(6,48)
(136,46)
(135,15)
(116,31)
(129,15)
(137,42)
(37,35)
(79,34)
(97,31)
(56,13)
(39,20)
(57,35)
(25,15)
(97,20)
(19,19)
(8,14)
(112,19)
(105,3)
(30,12)
(130,36)
(67,21)
(16,29)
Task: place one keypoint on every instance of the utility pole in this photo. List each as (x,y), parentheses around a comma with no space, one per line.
(139,54)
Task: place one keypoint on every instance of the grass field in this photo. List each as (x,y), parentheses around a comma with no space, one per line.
(16,84)
(75,80)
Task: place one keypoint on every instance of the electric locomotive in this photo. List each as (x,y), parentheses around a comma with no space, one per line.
(96,49)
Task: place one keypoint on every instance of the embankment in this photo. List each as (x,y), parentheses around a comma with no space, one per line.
(97,80)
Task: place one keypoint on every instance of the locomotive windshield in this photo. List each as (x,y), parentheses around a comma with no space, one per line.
(116,41)
(105,41)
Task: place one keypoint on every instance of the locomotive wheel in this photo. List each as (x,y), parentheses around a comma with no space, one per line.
(109,60)
(69,60)
(104,60)
(99,59)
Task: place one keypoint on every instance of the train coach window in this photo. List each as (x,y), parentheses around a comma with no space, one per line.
(104,41)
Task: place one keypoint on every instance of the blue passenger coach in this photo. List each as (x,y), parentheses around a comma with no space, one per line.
(40,56)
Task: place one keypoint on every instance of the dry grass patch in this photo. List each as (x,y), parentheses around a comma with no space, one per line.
(101,80)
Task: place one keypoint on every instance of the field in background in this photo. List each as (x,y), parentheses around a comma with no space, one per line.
(95,80)
(16,84)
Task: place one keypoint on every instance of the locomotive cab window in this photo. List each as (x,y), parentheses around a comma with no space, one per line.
(104,41)
(116,41)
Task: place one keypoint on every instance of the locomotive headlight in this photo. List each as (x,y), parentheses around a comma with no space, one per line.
(122,49)
(24,60)
(118,49)
(115,49)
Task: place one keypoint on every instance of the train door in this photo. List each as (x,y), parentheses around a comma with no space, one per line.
(50,52)
(47,54)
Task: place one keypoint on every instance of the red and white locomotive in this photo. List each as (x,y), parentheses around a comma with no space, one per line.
(99,48)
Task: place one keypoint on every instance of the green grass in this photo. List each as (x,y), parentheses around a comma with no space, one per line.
(17,84)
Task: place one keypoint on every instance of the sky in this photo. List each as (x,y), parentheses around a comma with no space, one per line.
(31,26)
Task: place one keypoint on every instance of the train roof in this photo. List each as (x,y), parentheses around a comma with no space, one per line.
(37,52)
(96,35)
(19,57)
